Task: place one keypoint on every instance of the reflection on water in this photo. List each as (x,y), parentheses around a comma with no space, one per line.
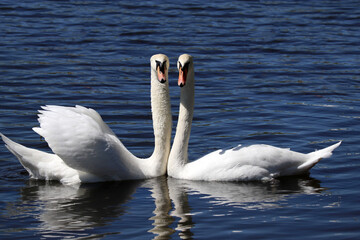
(74,211)
(182,209)
(284,73)
(161,220)
(248,195)
(65,209)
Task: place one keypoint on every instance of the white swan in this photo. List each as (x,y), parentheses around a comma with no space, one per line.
(255,162)
(86,149)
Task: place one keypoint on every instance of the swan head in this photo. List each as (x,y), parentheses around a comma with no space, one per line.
(185,66)
(160,65)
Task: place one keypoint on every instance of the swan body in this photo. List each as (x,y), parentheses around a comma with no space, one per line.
(255,162)
(87,150)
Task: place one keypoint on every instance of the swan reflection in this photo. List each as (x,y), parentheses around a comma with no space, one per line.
(64,208)
(161,219)
(248,195)
(79,211)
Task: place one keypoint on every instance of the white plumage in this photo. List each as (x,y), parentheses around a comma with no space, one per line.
(255,162)
(87,150)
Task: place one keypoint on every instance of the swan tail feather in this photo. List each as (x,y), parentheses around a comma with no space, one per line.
(316,156)
(41,165)
(26,156)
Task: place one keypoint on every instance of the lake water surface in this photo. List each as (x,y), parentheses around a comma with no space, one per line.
(284,73)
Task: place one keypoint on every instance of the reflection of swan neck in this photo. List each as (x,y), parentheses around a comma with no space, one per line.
(161,219)
(161,116)
(179,152)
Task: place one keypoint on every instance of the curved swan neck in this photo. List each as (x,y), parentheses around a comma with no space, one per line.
(179,151)
(161,116)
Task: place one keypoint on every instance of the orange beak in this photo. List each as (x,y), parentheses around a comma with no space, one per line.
(161,75)
(182,77)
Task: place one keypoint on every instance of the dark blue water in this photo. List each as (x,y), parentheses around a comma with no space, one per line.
(285,73)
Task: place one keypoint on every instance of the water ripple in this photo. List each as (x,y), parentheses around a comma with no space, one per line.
(283,73)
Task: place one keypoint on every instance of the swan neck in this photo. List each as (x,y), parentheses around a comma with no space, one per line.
(161,116)
(179,152)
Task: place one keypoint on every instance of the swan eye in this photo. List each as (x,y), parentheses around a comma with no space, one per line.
(186,65)
(161,65)
(179,65)
(160,69)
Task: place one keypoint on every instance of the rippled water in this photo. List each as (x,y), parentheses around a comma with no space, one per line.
(285,73)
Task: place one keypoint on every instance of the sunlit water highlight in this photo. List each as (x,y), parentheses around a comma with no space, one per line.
(276,72)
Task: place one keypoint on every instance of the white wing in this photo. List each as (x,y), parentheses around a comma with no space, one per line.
(79,136)
(255,162)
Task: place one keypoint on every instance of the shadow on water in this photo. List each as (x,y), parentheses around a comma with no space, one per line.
(67,210)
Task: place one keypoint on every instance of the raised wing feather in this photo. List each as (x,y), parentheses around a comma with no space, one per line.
(79,136)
